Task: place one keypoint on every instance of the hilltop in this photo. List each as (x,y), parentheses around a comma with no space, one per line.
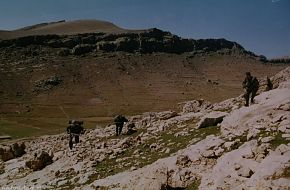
(64,28)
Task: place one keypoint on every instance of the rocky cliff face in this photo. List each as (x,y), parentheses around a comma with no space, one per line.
(148,41)
(249,148)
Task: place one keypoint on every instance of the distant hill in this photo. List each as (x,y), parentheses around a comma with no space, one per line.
(284,59)
(5,34)
(64,28)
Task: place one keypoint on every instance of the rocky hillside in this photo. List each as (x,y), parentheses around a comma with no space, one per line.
(93,73)
(147,41)
(204,146)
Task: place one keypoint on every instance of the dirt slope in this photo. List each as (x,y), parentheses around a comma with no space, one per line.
(96,86)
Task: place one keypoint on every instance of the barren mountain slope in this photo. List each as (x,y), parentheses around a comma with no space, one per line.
(64,28)
(169,150)
(47,79)
(104,85)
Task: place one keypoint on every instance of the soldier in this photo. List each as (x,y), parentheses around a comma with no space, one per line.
(119,122)
(131,128)
(269,84)
(251,86)
(74,130)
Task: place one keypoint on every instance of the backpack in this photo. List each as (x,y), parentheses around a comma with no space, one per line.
(255,83)
(118,119)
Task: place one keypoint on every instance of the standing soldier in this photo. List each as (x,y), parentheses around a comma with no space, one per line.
(251,86)
(119,122)
(74,130)
(269,84)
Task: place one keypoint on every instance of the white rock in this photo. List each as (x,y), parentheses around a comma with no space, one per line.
(252,133)
(284,128)
(101,158)
(267,139)
(133,168)
(195,106)
(179,179)
(211,119)
(245,172)
(229,145)
(243,119)
(166,115)
(182,160)
(284,107)
(181,133)
(162,127)
(226,165)
(282,149)
(167,150)
(208,154)
(219,152)
(286,136)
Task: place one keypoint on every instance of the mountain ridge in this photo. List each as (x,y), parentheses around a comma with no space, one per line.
(146,41)
(63,27)
(36,34)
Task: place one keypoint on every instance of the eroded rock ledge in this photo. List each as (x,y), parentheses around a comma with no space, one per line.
(148,41)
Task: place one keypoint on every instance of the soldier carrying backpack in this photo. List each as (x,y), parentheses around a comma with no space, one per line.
(119,122)
(75,129)
(251,86)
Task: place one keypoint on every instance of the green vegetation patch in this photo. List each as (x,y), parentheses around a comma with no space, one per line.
(278,140)
(286,173)
(146,155)
(194,186)
(2,169)
(21,127)
(16,131)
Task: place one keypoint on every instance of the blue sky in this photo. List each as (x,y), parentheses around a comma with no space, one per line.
(261,26)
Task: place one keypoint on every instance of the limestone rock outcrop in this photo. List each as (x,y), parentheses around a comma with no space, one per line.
(13,151)
(147,41)
(40,162)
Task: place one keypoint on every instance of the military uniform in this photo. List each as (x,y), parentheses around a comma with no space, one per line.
(251,86)
(119,122)
(74,130)
(269,84)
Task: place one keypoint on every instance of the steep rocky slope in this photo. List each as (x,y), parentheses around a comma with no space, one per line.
(249,148)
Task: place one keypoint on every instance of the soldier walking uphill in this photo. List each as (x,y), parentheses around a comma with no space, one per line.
(251,86)
(75,129)
(119,122)
(269,84)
